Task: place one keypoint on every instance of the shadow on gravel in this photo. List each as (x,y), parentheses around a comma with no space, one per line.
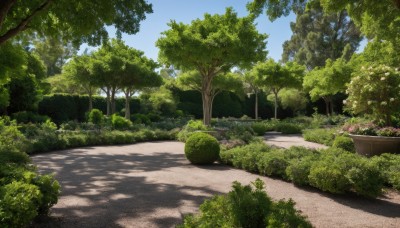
(104,188)
(378,206)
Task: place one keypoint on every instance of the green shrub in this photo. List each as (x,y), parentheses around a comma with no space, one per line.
(389,166)
(242,132)
(191,127)
(74,139)
(322,136)
(284,214)
(18,204)
(273,163)
(201,148)
(50,189)
(120,123)
(259,128)
(96,116)
(344,143)
(246,206)
(298,170)
(8,155)
(366,179)
(141,118)
(288,128)
(235,156)
(26,117)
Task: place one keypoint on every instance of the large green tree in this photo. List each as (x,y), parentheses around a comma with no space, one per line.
(54,53)
(318,36)
(78,21)
(275,76)
(211,46)
(375,18)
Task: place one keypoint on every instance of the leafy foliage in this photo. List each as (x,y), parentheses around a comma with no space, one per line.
(332,170)
(246,206)
(374,90)
(72,21)
(202,149)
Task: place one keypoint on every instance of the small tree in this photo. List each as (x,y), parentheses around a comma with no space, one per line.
(327,81)
(253,85)
(212,46)
(136,74)
(80,71)
(274,77)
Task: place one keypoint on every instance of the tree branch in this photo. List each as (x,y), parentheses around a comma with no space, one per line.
(6,6)
(23,24)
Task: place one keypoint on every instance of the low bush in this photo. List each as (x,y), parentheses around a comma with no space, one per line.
(96,116)
(190,128)
(120,123)
(389,166)
(273,163)
(201,149)
(333,170)
(246,206)
(259,128)
(344,143)
(288,128)
(29,117)
(324,136)
(139,118)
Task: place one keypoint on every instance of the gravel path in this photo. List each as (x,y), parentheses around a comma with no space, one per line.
(286,141)
(152,185)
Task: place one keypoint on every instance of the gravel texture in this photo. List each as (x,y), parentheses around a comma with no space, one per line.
(153,185)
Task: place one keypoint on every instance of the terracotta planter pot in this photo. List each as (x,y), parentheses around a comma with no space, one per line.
(375,145)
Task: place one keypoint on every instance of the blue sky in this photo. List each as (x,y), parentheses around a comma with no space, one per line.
(187,10)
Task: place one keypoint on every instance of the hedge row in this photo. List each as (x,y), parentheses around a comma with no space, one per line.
(332,170)
(44,137)
(64,107)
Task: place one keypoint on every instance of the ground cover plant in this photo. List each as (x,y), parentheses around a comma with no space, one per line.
(333,170)
(246,206)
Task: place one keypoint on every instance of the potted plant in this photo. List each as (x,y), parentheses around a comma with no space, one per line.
(375,91)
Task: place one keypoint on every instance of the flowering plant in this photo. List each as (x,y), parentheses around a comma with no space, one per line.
(371,129)
(376,91)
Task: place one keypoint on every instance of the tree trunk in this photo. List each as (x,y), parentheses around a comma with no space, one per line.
(207,97)
(276,105)
(90,102)
(326,105)
(108,103)
(127,105)
(207,108)
(256,106)
(113,91)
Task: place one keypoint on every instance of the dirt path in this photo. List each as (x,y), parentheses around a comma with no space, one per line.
(286,141)
(152,185)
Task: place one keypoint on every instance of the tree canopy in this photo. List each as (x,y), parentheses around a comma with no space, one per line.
(78,21)
(324,82)
(375,18)
(273,76)
(318,36)
(212,45)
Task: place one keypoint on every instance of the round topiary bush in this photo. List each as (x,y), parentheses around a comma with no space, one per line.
(201,149)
